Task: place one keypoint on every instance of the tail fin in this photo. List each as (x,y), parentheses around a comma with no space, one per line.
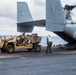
(23,12)
(55,18)
(23,15)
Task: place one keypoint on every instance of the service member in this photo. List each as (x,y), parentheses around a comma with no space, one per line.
(49,44)
(21,38)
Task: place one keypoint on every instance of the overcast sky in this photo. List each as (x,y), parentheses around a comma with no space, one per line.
(8,15)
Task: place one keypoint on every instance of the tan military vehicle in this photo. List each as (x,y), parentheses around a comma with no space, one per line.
(30,42)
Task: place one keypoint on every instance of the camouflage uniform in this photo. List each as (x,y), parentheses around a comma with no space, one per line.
(21,38)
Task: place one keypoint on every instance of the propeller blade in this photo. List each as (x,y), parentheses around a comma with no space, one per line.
(69,7)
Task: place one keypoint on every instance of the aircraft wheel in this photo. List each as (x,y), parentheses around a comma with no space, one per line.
(10,49)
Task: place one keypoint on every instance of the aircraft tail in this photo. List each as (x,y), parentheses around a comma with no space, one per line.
(23,15)
(23,12)
(55,18)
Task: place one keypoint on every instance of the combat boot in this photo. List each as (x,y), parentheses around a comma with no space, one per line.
(46,52)
(50,52)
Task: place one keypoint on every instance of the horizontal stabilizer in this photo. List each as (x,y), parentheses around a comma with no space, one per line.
(24,28)
(40,23)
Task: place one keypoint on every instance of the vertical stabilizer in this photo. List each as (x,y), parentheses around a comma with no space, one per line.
(23,15)
(55,18)
(23,12)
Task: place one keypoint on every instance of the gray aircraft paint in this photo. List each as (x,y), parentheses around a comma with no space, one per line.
(71,30)
(55,19)
(23,15)
(23,12)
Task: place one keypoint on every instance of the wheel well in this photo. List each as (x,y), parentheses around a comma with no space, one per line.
(34,44)
(10,43)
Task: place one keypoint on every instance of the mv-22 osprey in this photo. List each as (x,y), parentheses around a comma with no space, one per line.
(56,20)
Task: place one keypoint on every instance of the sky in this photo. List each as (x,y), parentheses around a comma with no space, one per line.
(8,15)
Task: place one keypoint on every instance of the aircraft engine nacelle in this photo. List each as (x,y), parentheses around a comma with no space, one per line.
(71,31)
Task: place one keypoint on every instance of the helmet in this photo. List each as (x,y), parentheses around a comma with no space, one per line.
(23,33)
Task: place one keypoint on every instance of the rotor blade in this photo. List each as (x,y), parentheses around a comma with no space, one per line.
(69,7)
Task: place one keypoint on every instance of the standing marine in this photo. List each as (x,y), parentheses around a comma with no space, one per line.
(49,44)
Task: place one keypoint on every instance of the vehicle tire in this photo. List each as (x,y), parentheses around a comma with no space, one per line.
(30,50)
(3,50)
(37,48)
(10,49)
